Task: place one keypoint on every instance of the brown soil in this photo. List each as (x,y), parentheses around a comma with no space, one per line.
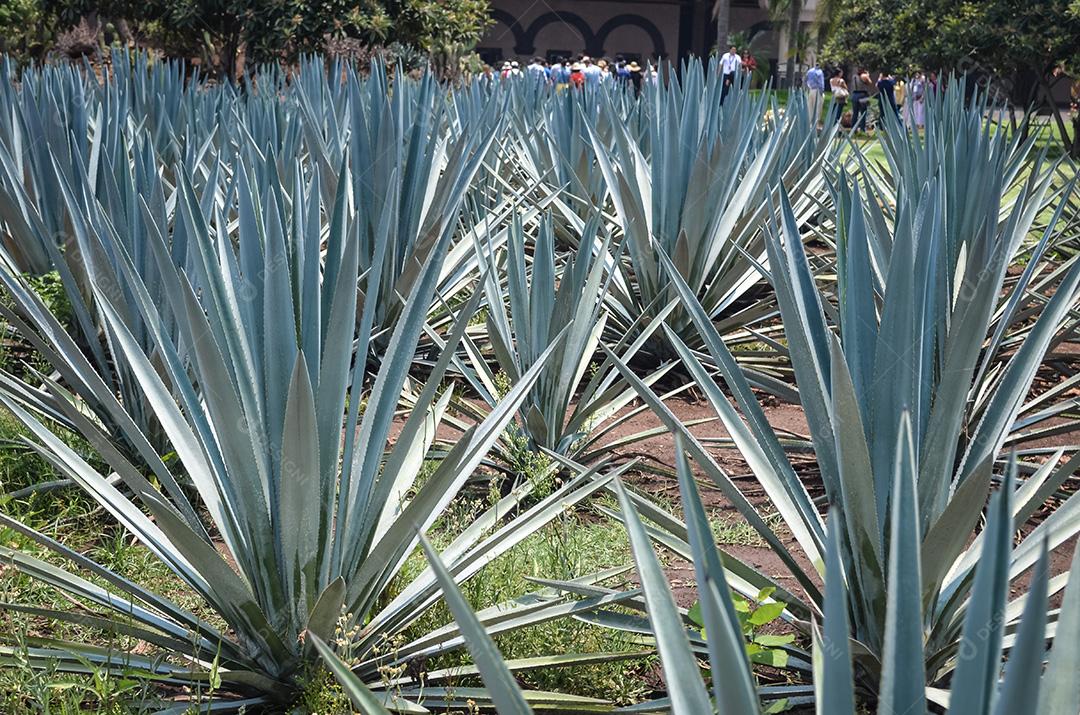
(657,454)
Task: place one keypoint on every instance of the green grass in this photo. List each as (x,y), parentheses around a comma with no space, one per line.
(572,546)
(735,533)
(69,515)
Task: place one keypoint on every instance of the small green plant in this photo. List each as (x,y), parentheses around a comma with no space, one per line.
(755,617)
(528,463)
(522,457)
(27,688)
(320,694)
(50,288)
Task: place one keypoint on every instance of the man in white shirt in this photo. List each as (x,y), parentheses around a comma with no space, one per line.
(592,71)
(537,69)
(730,63)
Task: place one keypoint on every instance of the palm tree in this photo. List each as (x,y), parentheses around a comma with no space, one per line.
(794,12)
(786,14)
(722,13)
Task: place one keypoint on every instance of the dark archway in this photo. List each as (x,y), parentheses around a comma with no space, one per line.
(527,46)
(511,23)
(636,21)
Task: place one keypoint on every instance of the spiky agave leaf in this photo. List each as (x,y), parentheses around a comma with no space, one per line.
(91,174)
(252,394)
(697,191)
(984,681)
(901,343)
(550,301)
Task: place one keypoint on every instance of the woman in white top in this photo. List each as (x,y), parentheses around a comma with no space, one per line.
(917,89)
(840,93)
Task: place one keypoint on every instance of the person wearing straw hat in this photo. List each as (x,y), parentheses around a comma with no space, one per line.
(634,71)
(577,75)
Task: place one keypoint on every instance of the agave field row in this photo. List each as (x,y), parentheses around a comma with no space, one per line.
(305,314)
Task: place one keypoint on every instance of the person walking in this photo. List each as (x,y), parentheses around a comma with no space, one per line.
(730,64)
(749,66)
(815,88)
(862,88)
(592,71)
(538,69)
(605,70)
(917,112)
(577,75)
(840,93)
(634,71)
(560,73)
(886,92)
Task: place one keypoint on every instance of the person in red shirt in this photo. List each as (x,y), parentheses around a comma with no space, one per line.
(749,64)
(577,75)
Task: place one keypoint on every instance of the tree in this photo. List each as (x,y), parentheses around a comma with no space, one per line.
(722,13)
(1007,40)
(787,14)
(876,33)
(269,30)
(794,13)
(24,29)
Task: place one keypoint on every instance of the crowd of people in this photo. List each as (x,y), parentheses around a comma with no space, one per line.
(852,102)
(566,72)
(906,99)
(583,70)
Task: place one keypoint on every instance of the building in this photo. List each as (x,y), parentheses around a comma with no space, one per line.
(635,29)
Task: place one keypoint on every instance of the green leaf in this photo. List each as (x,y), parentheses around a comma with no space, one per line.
(766,613)
(772,658)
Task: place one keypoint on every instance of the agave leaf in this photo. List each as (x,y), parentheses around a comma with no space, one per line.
(327,610)
(1060,691)
(684,683)
(1024,669)
(859,502)
(946,538)
(733,683)
(903,673)
(504,690)
(358,693)
(977,673)
(702,457)
(834,679)
(303,523)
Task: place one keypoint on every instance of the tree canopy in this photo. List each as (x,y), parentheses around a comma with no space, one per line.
(283,29)
(996,36)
